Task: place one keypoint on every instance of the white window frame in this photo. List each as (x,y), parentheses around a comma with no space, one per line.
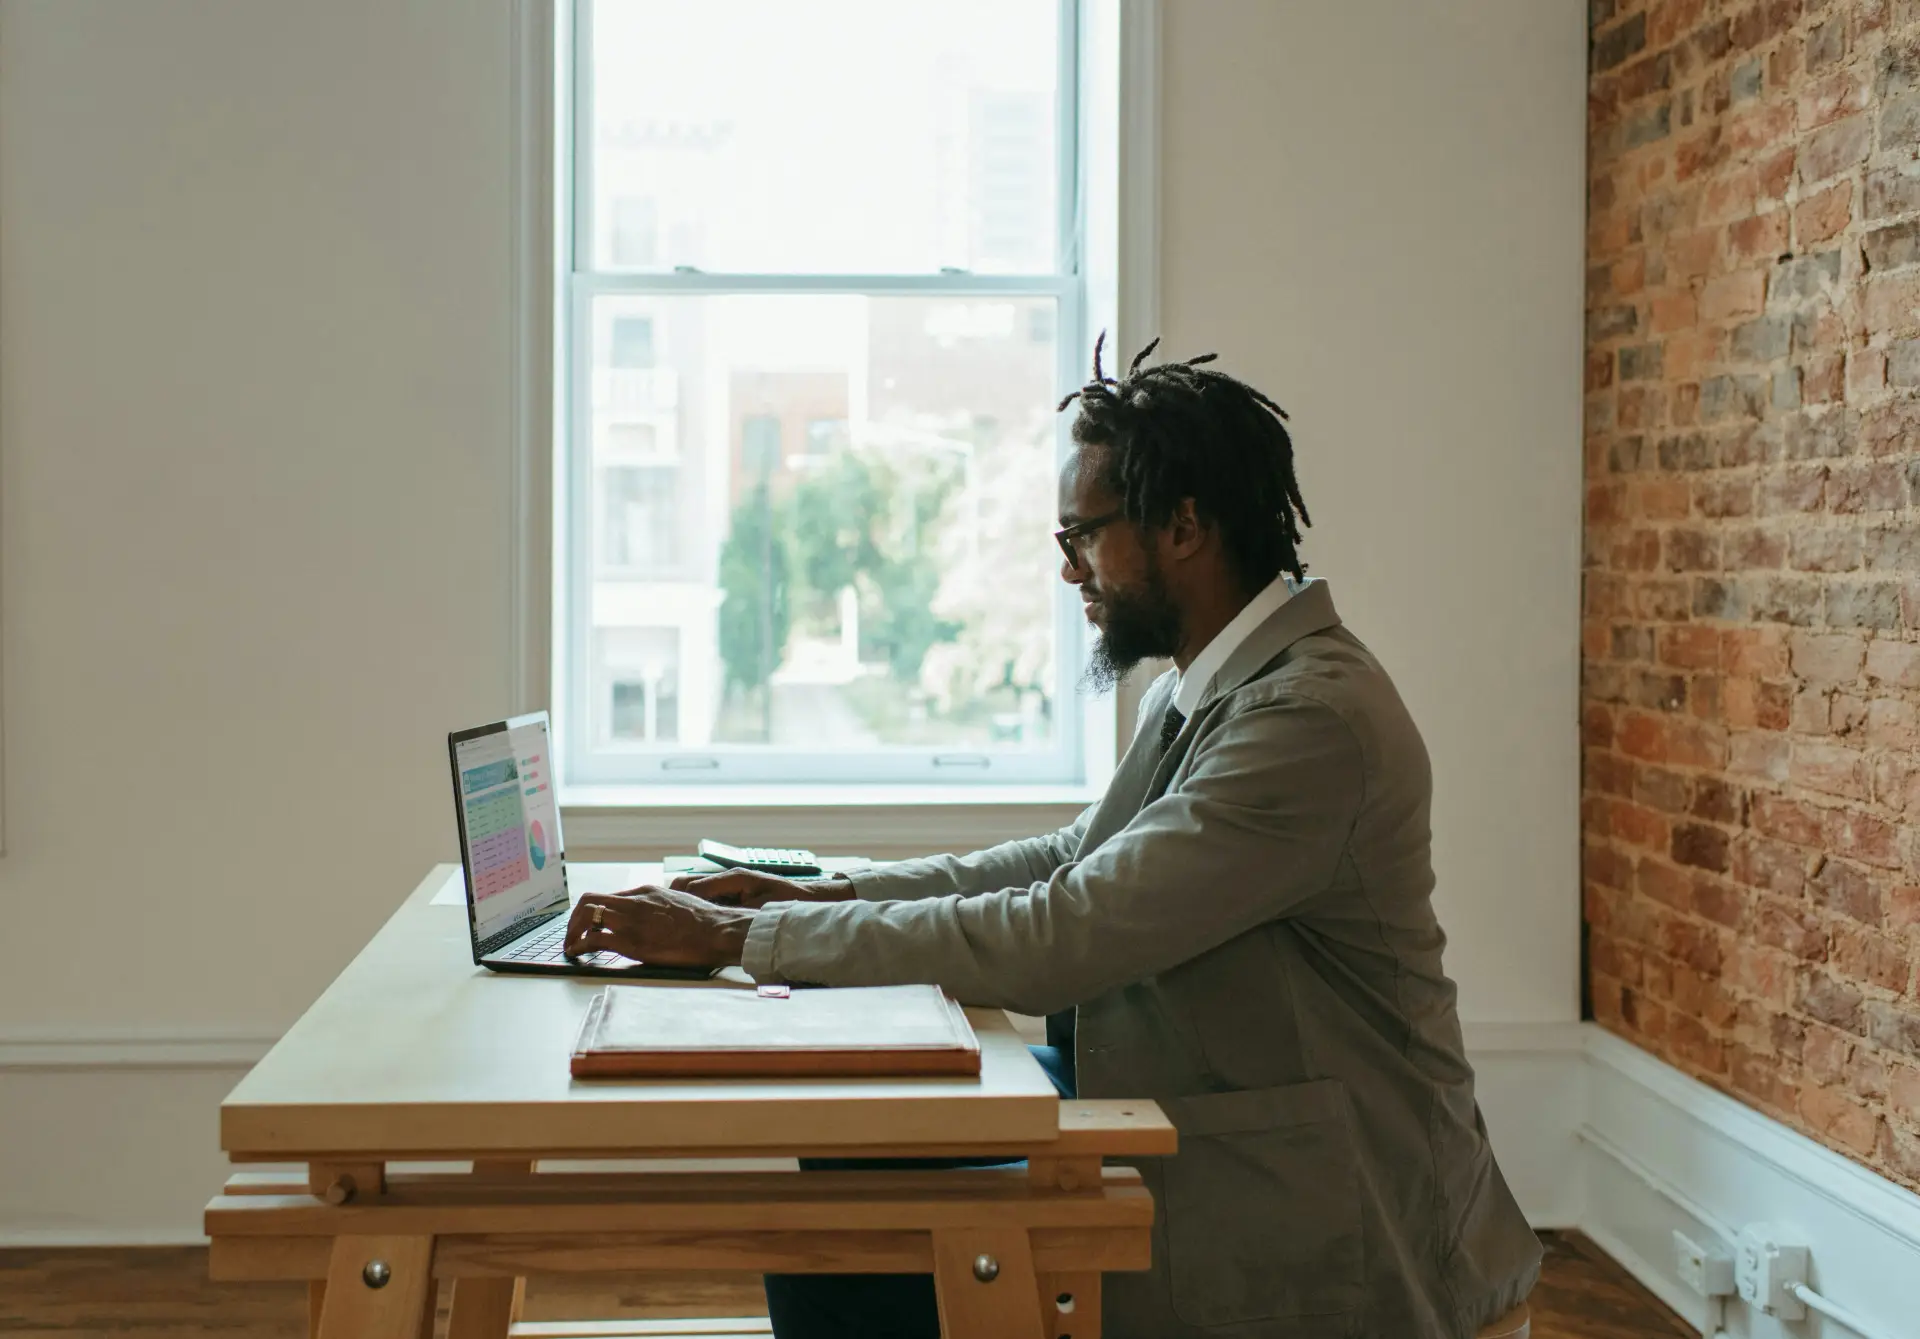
(1114,286)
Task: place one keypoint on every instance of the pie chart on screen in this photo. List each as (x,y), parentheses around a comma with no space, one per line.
(537,844)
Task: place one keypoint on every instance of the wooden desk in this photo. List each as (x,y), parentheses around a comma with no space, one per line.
(415,1055)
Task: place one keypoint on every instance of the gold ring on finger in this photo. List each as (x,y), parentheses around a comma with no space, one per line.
(599,915)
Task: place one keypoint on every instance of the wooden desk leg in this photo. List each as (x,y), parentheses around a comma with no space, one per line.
(486,1308)
(316,1299)
(1070,1305)
(984,1280)
(400,1308)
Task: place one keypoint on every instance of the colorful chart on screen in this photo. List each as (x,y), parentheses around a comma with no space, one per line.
(514,856)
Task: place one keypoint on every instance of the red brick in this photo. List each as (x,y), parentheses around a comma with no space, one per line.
(1642,736)
(1757,1077)
(1866,373)
(1860,836)
(1691,255)
(1693,1045)
(1674,311)
(1776,173)
(1894,663)
(1903,1088)
(1754,754)
(1643,1016)
(1842,93)
(1700,845)
(1664,499)
(1824,380)
(1827,657)
(1839,1119)
(1836,148)
(1720,902)
(1901,907)
(1893,723)
(1697,744)
(1760,972)
(1786,820)
(1761,652)
(1831,769)
(1826,1055)
(1792,929)
(1670,19)
(1605,866)
(1637,826)
(1823,215)
(1865,956)
(1761,128)
(1739,294)
(1761,236)
(1892,303)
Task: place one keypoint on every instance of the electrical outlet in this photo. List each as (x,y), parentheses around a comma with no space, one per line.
(1707,1270)
(1765,1270)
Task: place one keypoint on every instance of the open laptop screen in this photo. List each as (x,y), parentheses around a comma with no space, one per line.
(509,823)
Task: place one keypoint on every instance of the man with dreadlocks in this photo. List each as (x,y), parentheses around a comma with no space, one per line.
(1241,929)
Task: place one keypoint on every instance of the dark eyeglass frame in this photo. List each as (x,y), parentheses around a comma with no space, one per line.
(1081,529)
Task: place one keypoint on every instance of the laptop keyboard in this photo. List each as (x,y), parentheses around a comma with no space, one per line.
(547,946)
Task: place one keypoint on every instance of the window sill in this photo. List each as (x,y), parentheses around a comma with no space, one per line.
(886,822)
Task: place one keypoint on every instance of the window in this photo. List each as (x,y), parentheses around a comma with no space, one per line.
(631,344)
(815,352)
(640,518)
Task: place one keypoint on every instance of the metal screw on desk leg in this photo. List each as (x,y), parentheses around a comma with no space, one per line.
(376,1274)
(986,1268)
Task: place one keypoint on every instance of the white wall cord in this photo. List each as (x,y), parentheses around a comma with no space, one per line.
(1716,1306)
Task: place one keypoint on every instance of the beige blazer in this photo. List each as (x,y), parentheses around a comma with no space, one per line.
(1245,927)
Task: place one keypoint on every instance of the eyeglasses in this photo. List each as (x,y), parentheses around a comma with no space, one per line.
(1079,530)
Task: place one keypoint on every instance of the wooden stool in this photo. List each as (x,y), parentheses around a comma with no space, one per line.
(1516,1324)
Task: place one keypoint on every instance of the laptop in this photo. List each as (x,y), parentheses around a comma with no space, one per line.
(517,904)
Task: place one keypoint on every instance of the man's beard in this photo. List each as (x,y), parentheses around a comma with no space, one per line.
(1141,625)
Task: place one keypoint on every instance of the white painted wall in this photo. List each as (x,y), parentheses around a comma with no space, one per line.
(254,483)
(1374,210)
(254,433)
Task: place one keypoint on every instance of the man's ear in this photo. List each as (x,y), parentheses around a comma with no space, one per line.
(1186,532)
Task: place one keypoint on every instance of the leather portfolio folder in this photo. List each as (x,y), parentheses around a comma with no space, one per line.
(860,1031)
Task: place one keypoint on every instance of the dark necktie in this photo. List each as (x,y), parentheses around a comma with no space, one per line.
(1170,726)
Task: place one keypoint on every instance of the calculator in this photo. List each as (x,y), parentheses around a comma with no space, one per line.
(791,864)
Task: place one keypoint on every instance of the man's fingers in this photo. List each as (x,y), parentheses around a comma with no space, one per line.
(590,913)
(726,889)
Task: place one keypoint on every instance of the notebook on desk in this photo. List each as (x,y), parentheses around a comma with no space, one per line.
(690,1032)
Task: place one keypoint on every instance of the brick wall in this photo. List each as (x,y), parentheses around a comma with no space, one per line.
(1751,701)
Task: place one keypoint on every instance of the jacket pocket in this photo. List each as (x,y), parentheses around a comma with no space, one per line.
(1263,1206)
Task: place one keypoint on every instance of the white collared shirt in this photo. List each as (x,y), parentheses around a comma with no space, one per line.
(1216,653)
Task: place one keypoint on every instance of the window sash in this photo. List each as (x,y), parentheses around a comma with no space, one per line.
(588,761)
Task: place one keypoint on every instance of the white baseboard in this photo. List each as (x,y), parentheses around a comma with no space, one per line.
(1663,1152)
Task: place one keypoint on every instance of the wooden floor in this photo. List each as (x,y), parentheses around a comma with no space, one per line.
(163,1293)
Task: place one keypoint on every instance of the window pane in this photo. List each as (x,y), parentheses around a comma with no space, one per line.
(824,523)
(831,136)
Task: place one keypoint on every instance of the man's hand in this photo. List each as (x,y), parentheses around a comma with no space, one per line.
(752,889)
(659,925)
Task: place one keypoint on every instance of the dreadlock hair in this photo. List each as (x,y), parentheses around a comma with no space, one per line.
(1175,431)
